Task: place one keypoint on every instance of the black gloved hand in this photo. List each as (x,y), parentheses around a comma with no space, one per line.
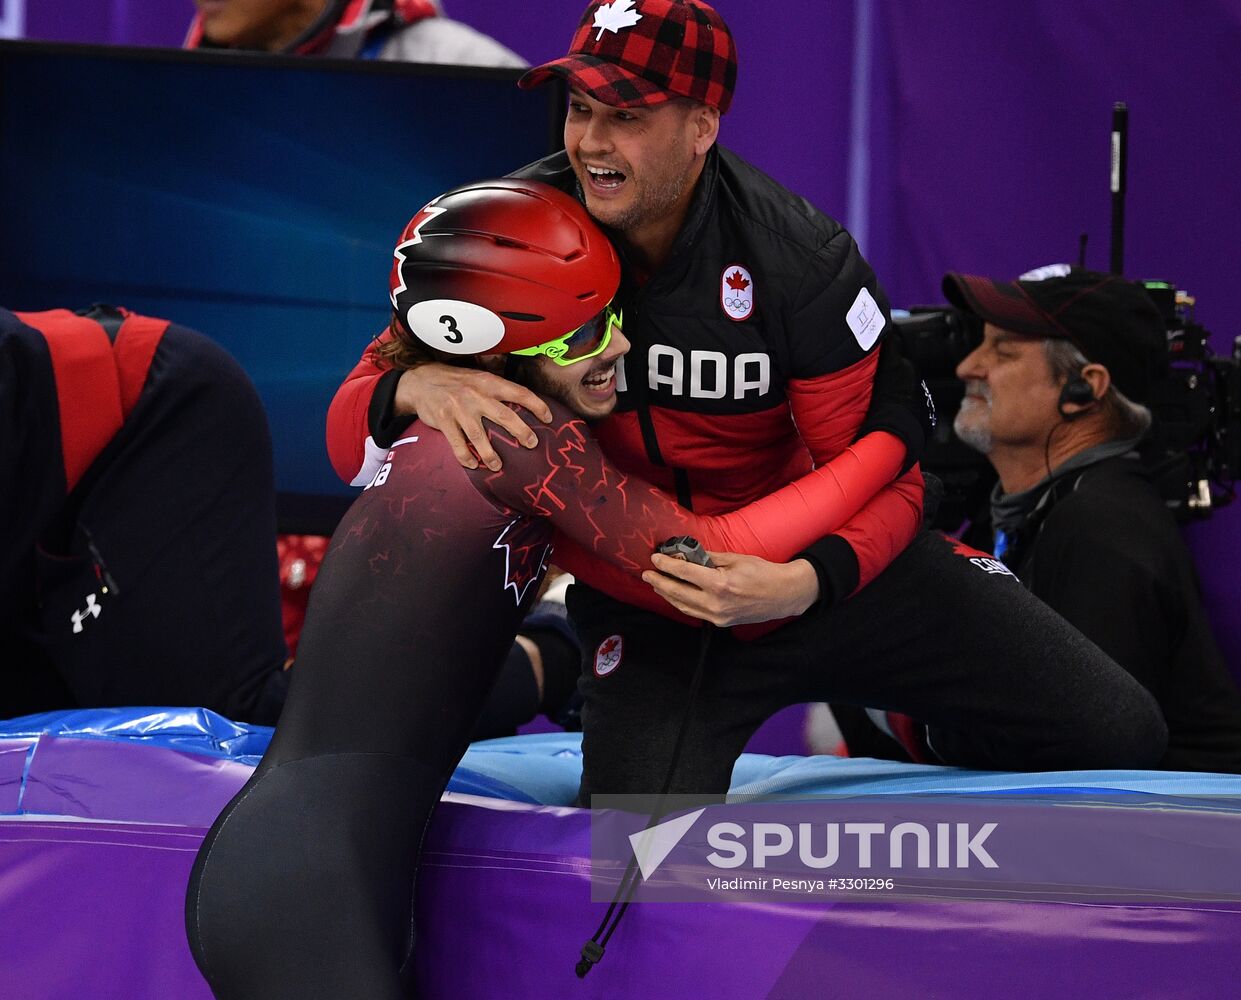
(900,403)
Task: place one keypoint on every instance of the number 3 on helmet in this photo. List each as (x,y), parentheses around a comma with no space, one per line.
(504,266)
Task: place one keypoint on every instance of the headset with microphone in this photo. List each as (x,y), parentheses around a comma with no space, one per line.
(1078,392)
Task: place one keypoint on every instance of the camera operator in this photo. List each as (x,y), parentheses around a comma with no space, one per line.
(1054,398)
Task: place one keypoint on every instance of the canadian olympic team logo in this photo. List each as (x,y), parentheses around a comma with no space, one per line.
(608,655)
(737,292)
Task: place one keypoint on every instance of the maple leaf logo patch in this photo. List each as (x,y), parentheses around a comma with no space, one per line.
(608,655)
(614,16)
(737,292)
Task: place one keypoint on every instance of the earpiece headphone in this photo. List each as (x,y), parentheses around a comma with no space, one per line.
(1076,391)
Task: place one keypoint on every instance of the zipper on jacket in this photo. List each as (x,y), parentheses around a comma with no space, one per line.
(640,387)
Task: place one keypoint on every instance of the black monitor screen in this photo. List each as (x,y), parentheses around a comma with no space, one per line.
(256,199)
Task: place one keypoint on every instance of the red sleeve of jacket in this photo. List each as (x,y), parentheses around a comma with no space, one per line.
(360,422)
(347,428)
(829,410)
(879,532)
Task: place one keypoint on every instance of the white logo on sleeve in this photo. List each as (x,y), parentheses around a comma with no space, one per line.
(989,565)
(381,476)
(92,609)
(379,460)
(737,292)
(865,319)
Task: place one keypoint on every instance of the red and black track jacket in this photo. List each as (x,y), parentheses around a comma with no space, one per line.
(67,384)
(753,358)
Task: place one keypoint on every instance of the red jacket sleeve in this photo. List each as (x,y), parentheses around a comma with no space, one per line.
(360,424)
(829,410)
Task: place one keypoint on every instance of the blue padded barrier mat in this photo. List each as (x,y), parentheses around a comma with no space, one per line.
(545,768)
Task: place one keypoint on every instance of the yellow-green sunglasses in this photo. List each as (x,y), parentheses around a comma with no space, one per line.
(587,341)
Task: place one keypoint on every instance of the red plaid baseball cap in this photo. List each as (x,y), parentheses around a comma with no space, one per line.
(637,53)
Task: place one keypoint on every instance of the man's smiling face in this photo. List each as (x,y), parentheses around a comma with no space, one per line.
(588,388)
(635,165)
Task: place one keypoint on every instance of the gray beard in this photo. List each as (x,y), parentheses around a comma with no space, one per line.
(978,438)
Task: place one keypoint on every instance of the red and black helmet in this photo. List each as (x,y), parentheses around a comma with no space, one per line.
(499,266)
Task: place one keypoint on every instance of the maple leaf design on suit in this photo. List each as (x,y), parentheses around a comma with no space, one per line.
(737,282)
(608,647)
(526,546)
(614,16)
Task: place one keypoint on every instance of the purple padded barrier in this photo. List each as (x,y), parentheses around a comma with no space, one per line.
(487,860)
(957,949)
(961,950)
(111,779)
(96,910)
(977,951)
(13,755)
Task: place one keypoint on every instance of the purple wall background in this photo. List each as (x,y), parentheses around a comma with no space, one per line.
(978,140)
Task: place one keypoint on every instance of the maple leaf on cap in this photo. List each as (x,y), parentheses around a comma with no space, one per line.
(614,16)
(737,282)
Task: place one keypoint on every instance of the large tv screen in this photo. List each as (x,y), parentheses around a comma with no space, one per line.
(256,199)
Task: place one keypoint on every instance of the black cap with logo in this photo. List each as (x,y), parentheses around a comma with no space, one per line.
(1111,320)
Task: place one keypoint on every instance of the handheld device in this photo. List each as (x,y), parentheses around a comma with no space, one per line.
(685,547)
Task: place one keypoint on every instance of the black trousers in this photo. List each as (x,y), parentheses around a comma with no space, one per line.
(999,680)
